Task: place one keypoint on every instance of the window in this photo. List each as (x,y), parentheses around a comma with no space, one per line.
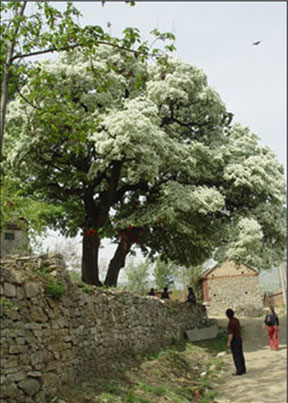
(9,236)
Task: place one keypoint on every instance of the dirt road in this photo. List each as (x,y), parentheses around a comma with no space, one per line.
(266,377)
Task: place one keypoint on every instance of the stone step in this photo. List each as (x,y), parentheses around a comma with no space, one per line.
(204,333)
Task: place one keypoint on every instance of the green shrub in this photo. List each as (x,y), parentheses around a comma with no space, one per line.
(86,288)
(75,276)
(54,289)
(6,308)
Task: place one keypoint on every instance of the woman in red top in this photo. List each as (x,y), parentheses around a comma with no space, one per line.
(235,342)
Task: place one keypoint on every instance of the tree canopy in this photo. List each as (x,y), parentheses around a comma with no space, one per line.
(43,30)
(144,154)
(164,273)
(137,276)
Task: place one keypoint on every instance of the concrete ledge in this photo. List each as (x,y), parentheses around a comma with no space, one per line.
(202,334)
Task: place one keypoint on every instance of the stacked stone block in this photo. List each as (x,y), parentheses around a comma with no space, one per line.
(47,343)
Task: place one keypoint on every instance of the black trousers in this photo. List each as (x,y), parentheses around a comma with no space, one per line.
(238,357)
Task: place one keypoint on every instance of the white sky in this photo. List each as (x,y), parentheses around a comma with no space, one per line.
(217,37)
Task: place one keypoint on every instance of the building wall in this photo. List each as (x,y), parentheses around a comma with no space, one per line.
(233,287)
(233,292)
(48,342)
(229,268)
(19,243)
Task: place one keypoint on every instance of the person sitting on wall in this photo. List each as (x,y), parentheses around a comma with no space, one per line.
(152,292)
(165,294)
(191,296)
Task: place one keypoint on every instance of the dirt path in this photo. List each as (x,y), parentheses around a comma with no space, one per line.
(266,377)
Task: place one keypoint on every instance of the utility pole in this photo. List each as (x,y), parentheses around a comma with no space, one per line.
(283,278)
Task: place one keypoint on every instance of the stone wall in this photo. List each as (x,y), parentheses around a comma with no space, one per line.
(242,294)
(47,342)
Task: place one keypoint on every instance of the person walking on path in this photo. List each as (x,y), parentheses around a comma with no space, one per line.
(271,322)
(235,342)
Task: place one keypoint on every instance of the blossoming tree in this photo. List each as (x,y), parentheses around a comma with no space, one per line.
(144,154)
(41,30)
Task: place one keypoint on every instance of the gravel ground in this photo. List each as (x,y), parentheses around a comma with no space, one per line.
(266,377)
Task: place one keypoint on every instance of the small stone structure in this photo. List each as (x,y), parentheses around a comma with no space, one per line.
(206,333)
(273,298)
(48,342)
(232,286)
(13,238)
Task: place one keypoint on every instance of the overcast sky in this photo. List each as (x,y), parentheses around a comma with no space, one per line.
(218,37)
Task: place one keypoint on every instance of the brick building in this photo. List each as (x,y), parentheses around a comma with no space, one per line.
(231,286)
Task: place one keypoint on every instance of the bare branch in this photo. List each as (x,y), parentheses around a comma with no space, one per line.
(26,99)
(70,47)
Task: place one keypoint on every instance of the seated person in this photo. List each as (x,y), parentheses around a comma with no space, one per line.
(165,294)
(191,296)
(152,292)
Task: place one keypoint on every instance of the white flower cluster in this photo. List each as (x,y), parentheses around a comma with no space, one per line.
(200,199)
(165,125)
(252,166)
(248,240)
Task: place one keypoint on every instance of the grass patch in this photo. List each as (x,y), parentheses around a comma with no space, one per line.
(75,276)
(86,288)
(215,346)
(54,289)
(173,374)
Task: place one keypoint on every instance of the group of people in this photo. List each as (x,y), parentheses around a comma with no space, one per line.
(234,342)
(165,294)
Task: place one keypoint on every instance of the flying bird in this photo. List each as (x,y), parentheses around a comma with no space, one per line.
(256,43)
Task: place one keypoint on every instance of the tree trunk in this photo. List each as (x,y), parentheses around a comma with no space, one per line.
(3,104)
(96,217)
(117,262)
(90,249)
(5,78)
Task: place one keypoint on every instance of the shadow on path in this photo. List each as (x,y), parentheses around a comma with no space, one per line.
(265,380)
(254,336)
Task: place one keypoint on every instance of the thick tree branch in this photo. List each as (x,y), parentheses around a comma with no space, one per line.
(69,47)
(118,260)
(26,99)
(65,191)
(189,125)
(108,196)
(127,188)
